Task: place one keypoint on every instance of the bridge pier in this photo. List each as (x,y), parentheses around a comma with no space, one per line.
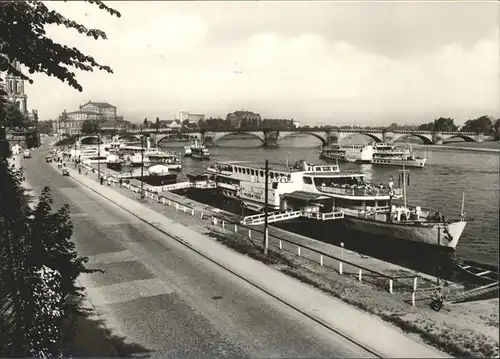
(271,139)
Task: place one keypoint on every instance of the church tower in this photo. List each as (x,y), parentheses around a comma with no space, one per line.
(14,87)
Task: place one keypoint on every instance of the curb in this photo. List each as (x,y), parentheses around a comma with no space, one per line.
(256,285)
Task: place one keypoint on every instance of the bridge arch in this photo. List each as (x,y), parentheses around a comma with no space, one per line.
(286,134)
(466,138)
(131,136)
(173,135)
(424,138)
(89,139)
(217,136)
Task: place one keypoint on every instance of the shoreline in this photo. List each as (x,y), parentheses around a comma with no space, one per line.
(459,148)
(446,330)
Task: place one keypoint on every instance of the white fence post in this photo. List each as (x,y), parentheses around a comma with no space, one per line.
(163,200)
(184,209)
(201,215)
(320,259)
(223,224)
(340,267)
(298,251)
(235,228)
(360,274)
(177,206)
(169,202)
(390,286)
(413,299)
(415,284)
(249,233)
(192,212)
(281,244)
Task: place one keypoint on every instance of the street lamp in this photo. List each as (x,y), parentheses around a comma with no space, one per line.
(98,155)
(266,195)
(75,149)
(142,165)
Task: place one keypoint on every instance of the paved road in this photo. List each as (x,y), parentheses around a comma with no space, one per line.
(169,301)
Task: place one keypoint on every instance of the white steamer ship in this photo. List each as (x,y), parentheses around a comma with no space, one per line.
(367,207)
(388,154)
(348,153)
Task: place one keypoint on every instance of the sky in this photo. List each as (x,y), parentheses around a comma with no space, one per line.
(338,63)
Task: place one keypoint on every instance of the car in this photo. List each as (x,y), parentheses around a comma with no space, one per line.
(48,159)
(65,172)
(27,154)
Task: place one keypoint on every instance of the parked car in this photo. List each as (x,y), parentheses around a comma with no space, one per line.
(27,154)
(65,172)
(48,159)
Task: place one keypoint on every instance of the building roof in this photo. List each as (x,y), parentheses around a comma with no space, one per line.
(304,196)
(99,104)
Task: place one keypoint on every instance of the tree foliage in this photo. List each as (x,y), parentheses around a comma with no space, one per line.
(23,37)
(14,117)
(441,124)
(90,126)
(482,124)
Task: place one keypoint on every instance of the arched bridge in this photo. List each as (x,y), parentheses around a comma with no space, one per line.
(326,136)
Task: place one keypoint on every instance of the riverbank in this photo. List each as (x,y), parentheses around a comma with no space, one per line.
(462,147)
(465,330)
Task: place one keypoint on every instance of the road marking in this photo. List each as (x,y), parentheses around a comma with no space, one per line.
(113,257)
(127,291)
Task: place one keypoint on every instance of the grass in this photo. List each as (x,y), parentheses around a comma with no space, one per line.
(453,340)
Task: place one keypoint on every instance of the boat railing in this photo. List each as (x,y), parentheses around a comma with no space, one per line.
(365,191)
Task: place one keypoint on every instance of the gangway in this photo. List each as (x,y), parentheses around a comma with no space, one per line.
(183,185)
(257,219)
(475,293)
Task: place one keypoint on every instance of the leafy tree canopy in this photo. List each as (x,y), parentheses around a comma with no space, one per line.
(90,126)
(441,124)
(23,38)
(482,124)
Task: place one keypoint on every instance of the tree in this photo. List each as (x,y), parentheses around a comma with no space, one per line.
(496,129)
(441,124)
(90,127)
(23,37)
(146,124)
(481,124)
(45,126)
(157,124)
(14,117)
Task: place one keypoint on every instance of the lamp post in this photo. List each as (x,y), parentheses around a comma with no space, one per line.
(266,196)
(438,249)
(142,165)
(98,156)
(341,257)
(75,149)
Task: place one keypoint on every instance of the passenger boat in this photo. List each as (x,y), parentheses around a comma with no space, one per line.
(157,175)
(388,154)
(367,207)
(187,151)
(348,153)
(114,162)
(172,161)
(199,151)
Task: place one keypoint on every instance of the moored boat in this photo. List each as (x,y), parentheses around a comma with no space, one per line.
(348,153)
(388,154)
(367,207)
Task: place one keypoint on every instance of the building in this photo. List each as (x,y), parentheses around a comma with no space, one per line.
(99,110)
(277,123)
(71,122)
(14,87)
(190,116)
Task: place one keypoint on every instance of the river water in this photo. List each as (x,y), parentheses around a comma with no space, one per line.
(439,186)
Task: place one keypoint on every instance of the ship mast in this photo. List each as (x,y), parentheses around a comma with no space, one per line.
(403,171)
(462,213)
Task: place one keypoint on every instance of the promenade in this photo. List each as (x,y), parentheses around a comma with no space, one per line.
(312,302)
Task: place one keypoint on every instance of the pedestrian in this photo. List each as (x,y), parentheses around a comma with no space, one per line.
(102,180)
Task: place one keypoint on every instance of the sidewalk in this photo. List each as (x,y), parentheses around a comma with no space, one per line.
(374,333)
(406,276)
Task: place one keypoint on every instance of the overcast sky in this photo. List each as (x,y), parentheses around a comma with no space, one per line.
(317,62)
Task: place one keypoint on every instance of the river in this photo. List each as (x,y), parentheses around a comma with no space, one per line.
(450,172)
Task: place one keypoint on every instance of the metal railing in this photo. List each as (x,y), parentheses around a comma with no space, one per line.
(299,249)
(360,191)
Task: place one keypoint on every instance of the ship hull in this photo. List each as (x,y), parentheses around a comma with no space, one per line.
(200,157)
(160,180)
(420,233)
(115,166)
(420,163)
